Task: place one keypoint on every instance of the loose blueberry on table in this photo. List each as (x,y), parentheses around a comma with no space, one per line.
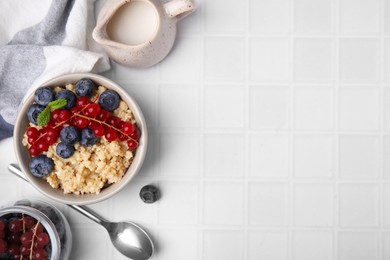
(23,237)
(74,117)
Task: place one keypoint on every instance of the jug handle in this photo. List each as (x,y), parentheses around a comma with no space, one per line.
(179,8)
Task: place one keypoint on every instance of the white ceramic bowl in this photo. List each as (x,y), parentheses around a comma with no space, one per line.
(41,185)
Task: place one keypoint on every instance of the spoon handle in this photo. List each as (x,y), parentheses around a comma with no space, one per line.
(81,209)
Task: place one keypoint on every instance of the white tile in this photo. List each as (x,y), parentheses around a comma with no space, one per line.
(387,17)
(224,106)
(309,245)
(386,205)
(269,16)
(223,203)
(269,59)
(313,205)
(358,157)
(179,106)
(150,167)
(269,107)
(358,108)
(174,146)
(268,156)
(89,237)
(386,157)
(178,244)
(313,108)
(123,73)
(223,155)
(358,205)
(146,98)
(359,60)
(224,58)
(359,16)
(178,203)
(175,66)
(358,245)
(270,245)
(313,59)
(222,244)
(145,213)
(386,245)
(268,204)
(220,17)
(313,16)
(313,156)
(387,57)
(386,104)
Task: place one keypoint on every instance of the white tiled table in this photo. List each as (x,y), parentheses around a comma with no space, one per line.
(269,137)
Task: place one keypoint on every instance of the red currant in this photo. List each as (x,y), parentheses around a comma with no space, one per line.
(82,101)
(2,233)
(24,250)
(122,137)
(111,135)
(64,115)
(28,221)
(136,134)
(113,120)
(92,110)
(34,151)
(50,131)
(14,238)
(132,144)
(75,110)
(93,124)
(104,115)
(3,246)
(26,238)
(13,250)
(31,140)
(32,132)
(80,122)
(43,239)
(40,253)
(128,128)
(38,228)
(98,131)
(54,115)
(15,226)
(42,146)
(2,225)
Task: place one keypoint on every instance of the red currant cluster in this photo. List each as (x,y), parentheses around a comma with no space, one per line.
(23,238)
(86,113)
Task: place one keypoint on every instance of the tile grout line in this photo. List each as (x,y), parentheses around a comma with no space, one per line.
(245,217)
(336,61)
(201,187)
(290,192)
(381,127)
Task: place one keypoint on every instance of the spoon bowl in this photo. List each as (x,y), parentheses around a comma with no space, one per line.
(127,237)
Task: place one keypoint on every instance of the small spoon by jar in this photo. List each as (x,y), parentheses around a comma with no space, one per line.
(128,238)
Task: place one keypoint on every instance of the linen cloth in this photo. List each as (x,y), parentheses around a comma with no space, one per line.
(39,40)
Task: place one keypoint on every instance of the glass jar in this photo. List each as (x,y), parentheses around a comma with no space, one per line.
(52,220)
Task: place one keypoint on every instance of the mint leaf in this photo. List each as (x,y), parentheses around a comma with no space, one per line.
(56,104)
(44,116)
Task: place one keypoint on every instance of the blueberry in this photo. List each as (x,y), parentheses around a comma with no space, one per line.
(88,138)
(69,135)
(6,256)
(109,100)
(64,150)
(85,87)
(41,165)
(69,96)
(149,194)
(33,113)
(44,96)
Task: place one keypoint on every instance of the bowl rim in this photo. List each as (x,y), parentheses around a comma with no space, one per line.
(83,199)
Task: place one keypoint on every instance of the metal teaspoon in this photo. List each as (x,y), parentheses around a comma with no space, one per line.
(128,238)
